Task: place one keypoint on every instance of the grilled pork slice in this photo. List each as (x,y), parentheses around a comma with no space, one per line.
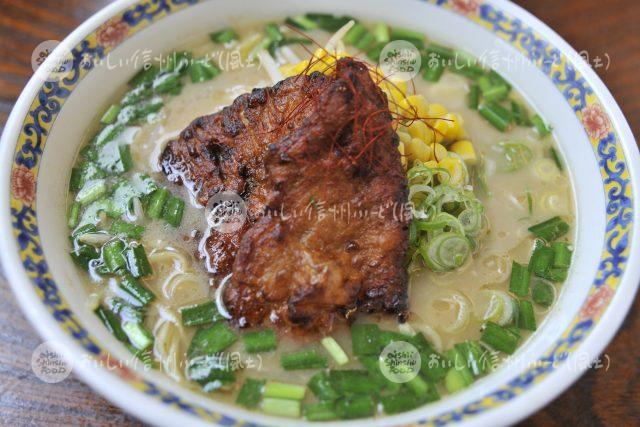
(334,233)
(225,151)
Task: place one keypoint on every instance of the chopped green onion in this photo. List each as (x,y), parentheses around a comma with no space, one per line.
(526,318)
(211,340)
(418,386)
(475,355)
(109,133)
(305,359)
(440,52)
(284,390)
(137,94)
(250,393)
(399,402)
(334,349)
(474,97)
(495,114)
(556,274)
(374,51)
(141,295)
(556,158)
(302,22)
(111,322)
(520,114)
(156,203)
(356,407)
(110,115)
(364,339)
(145,75)
(179,61)
(499,338)
(432,363)
(135,113)
(202,70)
(329,22)
(321,386)
(123,228)
(542,128)
(260,341)
(125,157)
(92,190)
(210,371)
(126,311)
(167,82)
(550,229)
(138,335)
(365,41)
(173,210)
(76,179)
(415,37)
(372,365)
(490,90)
(137,261)
(225,35)
(354,34)
(113,255)
(516,155)
(541,261)
(467,66)
(381,32)
(529,202)
(281,407)
(446,251)
(455,380)
(200,314)
(543,293)
(519,281)
(74,215)
(458,362)
(319,411)
(433,72)
(561,254)
(351,381)
(82,255)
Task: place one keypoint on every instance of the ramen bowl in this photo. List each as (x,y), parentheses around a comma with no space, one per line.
(49,121)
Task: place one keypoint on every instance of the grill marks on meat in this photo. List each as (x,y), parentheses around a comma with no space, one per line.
(333,239)
(225,152)
(315,158)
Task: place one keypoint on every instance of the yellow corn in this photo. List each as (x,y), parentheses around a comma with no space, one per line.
(404,136)
(431,164)
(436,111)
(416,149)
(322,62)
(415,106)
(454,166)
(464,148)
(439,152)
(403,157)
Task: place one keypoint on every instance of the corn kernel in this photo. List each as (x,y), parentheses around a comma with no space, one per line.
(288,70)
(419,129)
(436,111)
(453,165)
(439,152)
(415,106)
(403,156)
(441,130)
(418,150)
(464,148)
(431,164)
(404,136)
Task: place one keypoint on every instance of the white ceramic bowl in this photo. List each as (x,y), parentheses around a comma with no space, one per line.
(49,121)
